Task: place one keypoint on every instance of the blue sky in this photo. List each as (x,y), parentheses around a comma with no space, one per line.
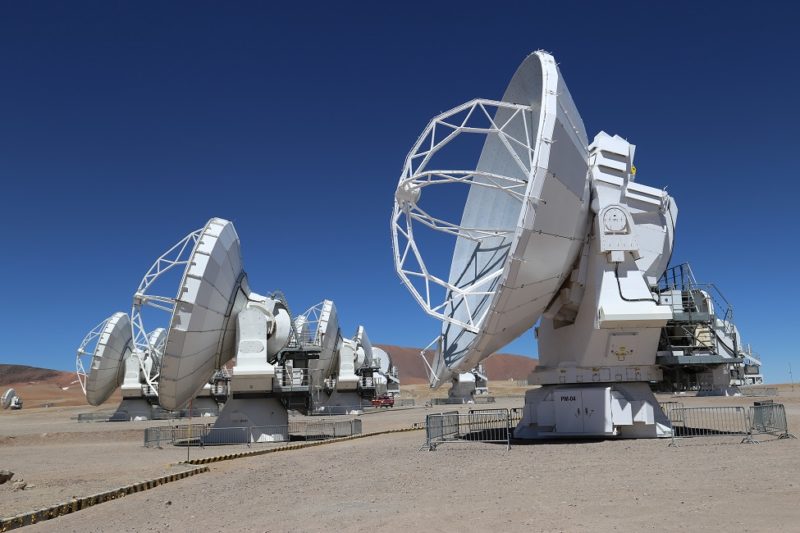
(124,125)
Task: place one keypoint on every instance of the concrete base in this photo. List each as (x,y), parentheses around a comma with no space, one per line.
(338,403)
(605,410)
(133,409)
(461,393)
(258,419)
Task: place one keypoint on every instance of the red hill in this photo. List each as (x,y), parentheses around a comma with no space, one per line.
(499,367)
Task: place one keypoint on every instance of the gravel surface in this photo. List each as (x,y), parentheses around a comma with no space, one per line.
(385,482)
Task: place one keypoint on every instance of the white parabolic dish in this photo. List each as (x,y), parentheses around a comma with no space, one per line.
(504,274)
(327,336)
(364,352)
(107,370)
(8,397)
(381,358)
(201,335)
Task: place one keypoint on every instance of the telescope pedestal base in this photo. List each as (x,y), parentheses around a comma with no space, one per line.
(133,409)
(205,406)
(338,403)
(258,418)
(605,410)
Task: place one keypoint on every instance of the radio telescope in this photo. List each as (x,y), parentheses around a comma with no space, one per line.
(8,395)
(151,350)
(10,400)
(106,351)
(345,372)
(552,230)
(212,317)
(319,326)
(387,379)
(363,349)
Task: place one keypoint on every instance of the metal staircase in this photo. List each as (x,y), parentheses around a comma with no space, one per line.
(700,348)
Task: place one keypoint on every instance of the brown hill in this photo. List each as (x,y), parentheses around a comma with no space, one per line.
(499,366)
(13,374)
(39,387)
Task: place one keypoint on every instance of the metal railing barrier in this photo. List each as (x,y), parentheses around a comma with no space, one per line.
(756,391)
(220,436)
(672,410)
(207,435)
(477,425)
(769,418)
(94,417)
(334,410)
(475,400)
(691,422)
(514,418)
(404,402)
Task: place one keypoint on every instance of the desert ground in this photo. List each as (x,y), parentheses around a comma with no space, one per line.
(386,483)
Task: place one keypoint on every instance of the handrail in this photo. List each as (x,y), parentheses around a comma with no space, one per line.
(681,277)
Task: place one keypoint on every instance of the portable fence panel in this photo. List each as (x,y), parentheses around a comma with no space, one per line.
(515,416)
(220,436)
(673,411)
(344,428)
(769,418)
(316,431)
(483,399)
(689,422)
(206,435)
(450,425)
(434,429)
(758,391)
(94,417)
(333,410)
(440,425)
(154,437)
(488,425)
(297,428)
(188,435)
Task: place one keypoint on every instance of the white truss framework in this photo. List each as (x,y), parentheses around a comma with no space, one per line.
(309,332)
(436,343)
(86,351)
(517,121)
(177,256)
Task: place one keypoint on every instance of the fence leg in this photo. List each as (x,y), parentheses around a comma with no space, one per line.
(508,430)
(749,439)
(749,425)
(672,443)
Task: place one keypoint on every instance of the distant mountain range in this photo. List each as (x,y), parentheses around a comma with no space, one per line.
(499,367)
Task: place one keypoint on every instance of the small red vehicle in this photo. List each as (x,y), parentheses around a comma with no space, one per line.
(383,401)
